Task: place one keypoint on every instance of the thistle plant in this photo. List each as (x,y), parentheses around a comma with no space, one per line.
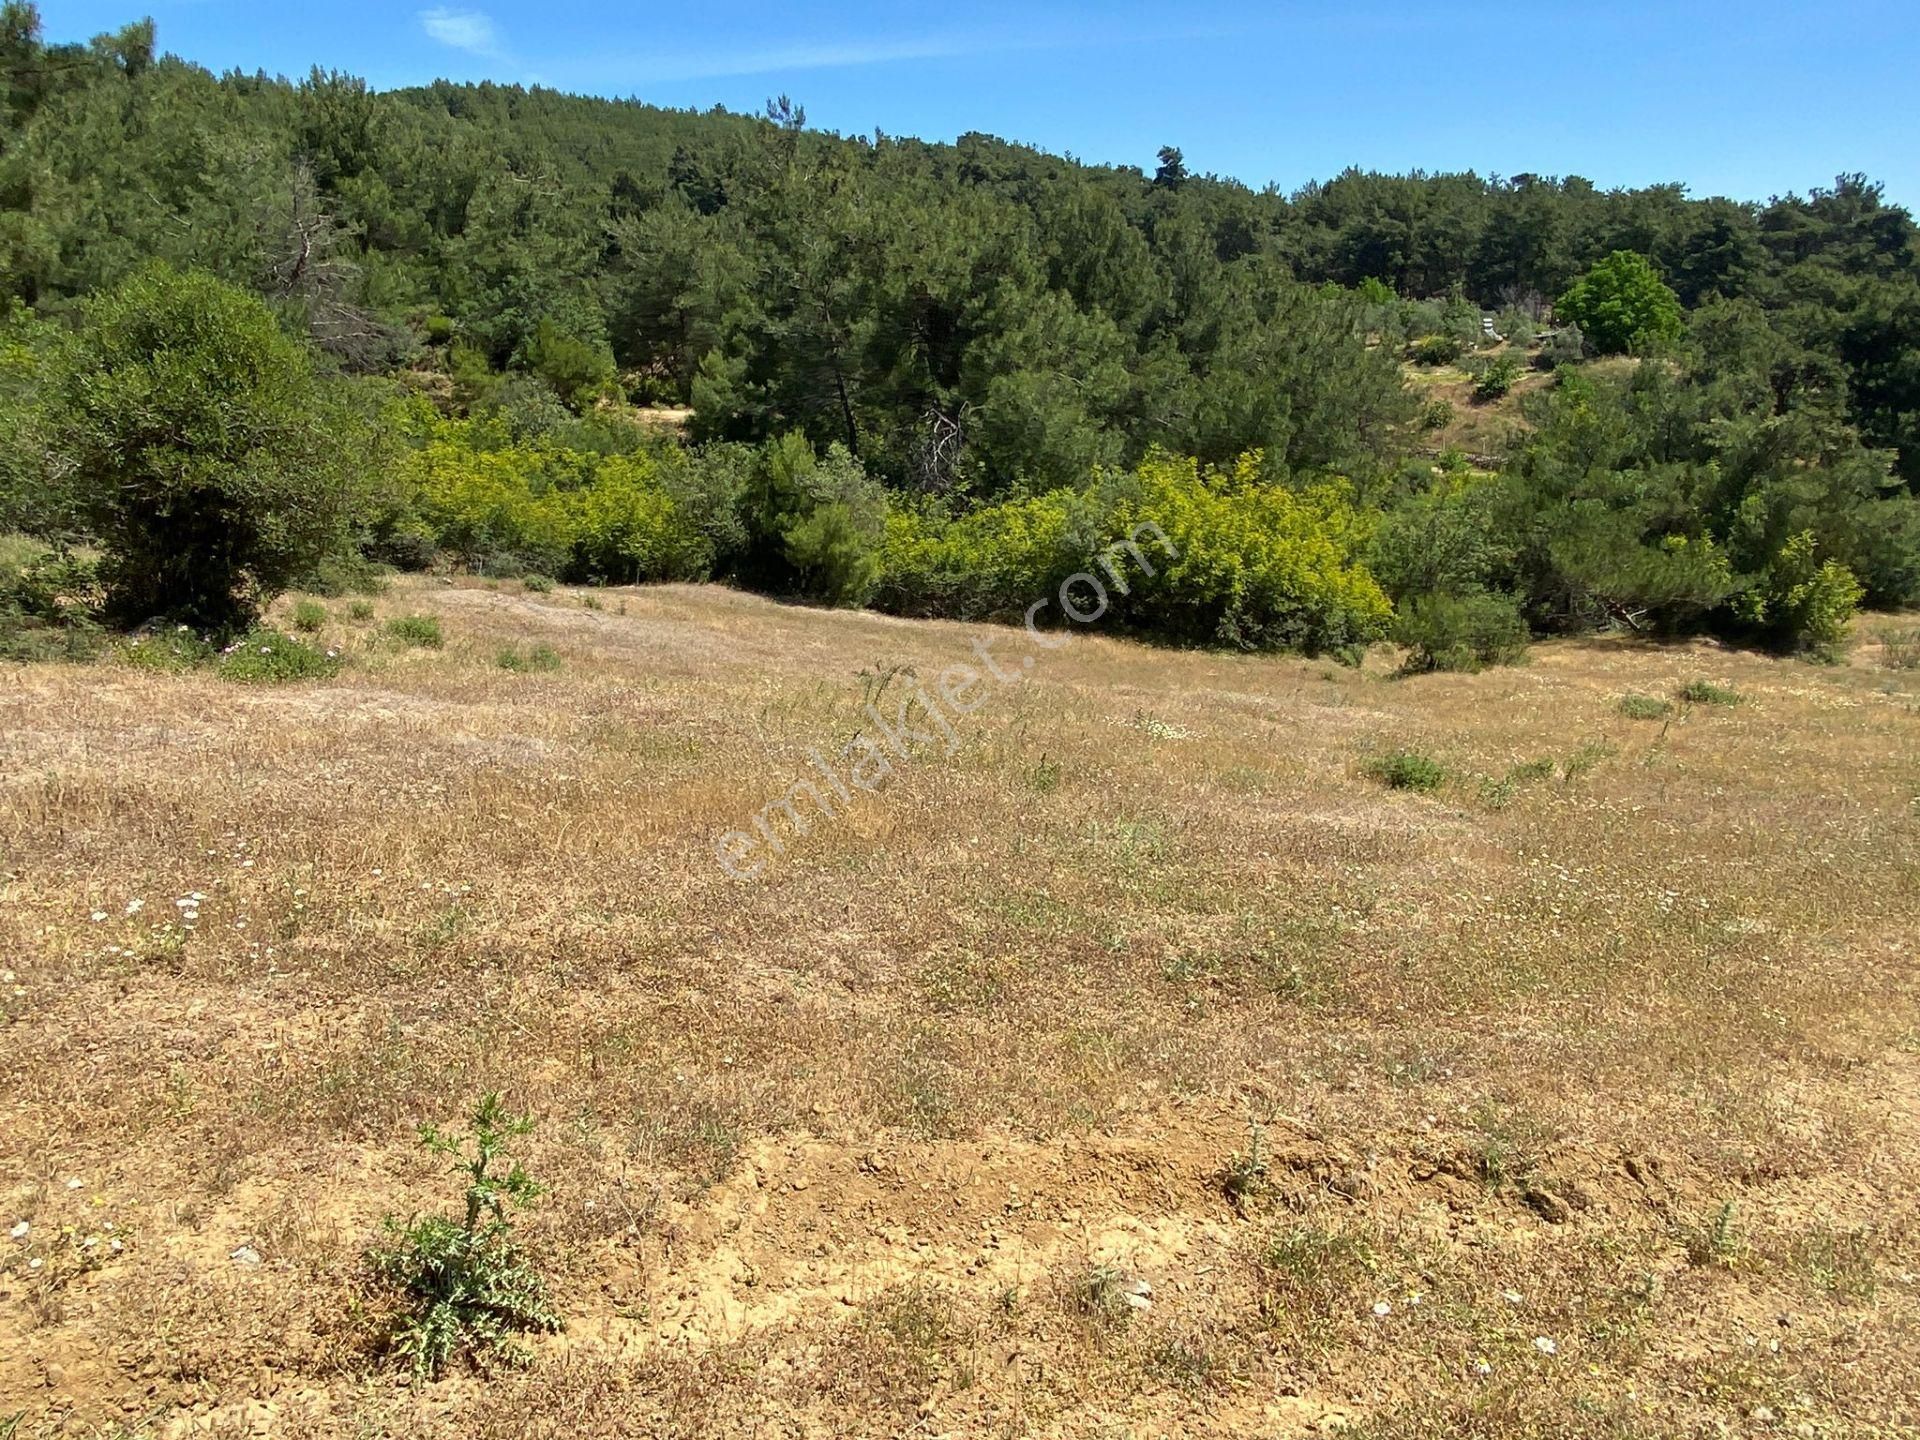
(467,1288)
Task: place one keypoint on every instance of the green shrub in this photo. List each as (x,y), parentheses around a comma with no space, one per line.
(834,549)
(538,584)
(1705,692)
(1564,346)
(49,608)
(463,1285)
(336,576)
(309,616)
(578,371)
(172,648)
(539,659)
(1801,604)
(482,495)
(1497,379)
(1621,305)
(1460,632)
(1644,707)
(815,524)
(627,527)
(1436,415)
(420,631)
(360,611)
(264,656)
(1435,350)
(199,448)
(1407,770)
(1515,324)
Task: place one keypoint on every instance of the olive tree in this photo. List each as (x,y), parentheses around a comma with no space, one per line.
(191,439)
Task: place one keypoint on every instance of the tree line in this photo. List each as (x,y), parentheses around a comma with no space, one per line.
(967,341)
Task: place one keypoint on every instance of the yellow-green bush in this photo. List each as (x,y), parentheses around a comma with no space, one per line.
(990,563)
(484,502)
(1216,557)
(493,501)
(1256,564)
(627,527)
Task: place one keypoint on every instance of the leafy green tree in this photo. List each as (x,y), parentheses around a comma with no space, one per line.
(1623,306)
(1172,173)
(579,372)
(192,440)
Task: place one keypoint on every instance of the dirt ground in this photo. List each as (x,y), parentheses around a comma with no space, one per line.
(1132,1063)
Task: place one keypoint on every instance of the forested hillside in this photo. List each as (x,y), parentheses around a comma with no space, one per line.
(934,376)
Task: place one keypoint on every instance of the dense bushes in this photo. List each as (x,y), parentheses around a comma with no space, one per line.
(1460,632)
(1195,555)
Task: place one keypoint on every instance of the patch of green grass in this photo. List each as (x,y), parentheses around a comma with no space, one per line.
(538,584)
(1311,1278)
(264,656)
(1644,707)
(173,649)
(309,616)
(1705,692)
(539,659)
(1408,770)
(1498,794)
(1584,759)
(420,631)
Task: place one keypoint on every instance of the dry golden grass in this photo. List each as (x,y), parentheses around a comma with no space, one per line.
(1613,1042)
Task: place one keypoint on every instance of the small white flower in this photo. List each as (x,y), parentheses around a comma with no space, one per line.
(115,1246)
(75,1184)
(35,1263)
(97,916)
(1414,1298)
(1545,1345)
(1481,1367)
(1382,1308)
(134,907)
(189,915)
(19,1232)
(1512,1297)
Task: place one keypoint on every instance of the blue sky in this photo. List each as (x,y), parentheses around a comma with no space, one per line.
(1747,99)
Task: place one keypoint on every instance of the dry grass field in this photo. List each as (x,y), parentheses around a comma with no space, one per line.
(1136,1065)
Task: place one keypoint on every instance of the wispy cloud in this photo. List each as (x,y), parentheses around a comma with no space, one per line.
(668,67)
(467,30)
(808,57)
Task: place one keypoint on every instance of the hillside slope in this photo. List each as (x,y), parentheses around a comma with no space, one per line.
(1142,1065)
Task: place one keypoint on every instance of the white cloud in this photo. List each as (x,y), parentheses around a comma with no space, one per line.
(808,57)
(658,67)
(467,30)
